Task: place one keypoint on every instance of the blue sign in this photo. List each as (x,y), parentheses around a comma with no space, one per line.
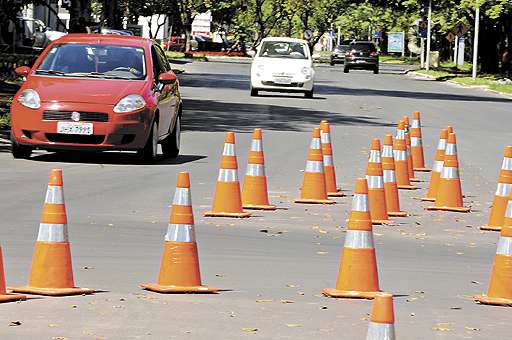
(396,42)
(378,35)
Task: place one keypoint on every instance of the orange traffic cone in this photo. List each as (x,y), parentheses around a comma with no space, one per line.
(357,276)
(179,269)
(227,201)
(382,319)
(499,205)
(254,191)
(376,193)
(52,270)
(437,168)
(400,155)
(313,187)
(410,169)
(500,285)
(418,159)
(4,296)
(329,170)
(449,194)
(390,186)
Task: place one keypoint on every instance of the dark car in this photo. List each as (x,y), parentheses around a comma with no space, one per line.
(362,55)
(338,55)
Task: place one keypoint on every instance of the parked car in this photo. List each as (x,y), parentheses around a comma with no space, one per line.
(173,43)
(283,65)
(338,55)
(98,92)
(105,30)
(362,55)
(33,34)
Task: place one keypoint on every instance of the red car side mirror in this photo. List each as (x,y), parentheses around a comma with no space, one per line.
(167,78)
(22,71)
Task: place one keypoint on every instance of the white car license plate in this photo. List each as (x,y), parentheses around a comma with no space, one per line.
(282,80)
(359,61)
(71,128)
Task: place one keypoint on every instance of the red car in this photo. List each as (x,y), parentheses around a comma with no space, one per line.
(98,92)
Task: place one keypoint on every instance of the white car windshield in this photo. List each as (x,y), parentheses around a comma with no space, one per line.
(283,49)
(94,61)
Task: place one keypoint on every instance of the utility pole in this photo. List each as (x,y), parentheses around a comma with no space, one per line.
(338,38)
(475,41)
(429,34)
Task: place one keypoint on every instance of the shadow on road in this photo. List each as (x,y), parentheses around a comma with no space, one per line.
(111,158)
(242,82)
(211,115)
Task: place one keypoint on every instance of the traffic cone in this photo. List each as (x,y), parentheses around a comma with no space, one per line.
(357,276)
(376,193)
(499,205)
(329,170)
(254,191)
(52,270)
(390,186)
(313,187)
(437,168)
(400,155)
(418,159)
(410,169)
(500,285)
(4,296)
(449,194)
(227,201)
(382,319)
(179,269)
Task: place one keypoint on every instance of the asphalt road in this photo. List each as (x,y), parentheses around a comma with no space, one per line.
(433,262)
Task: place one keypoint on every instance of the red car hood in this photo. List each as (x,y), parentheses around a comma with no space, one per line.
(83,90)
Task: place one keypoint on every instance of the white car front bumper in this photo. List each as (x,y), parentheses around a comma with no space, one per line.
(296,83)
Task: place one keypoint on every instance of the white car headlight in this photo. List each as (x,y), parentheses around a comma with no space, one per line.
(132,102)
(30,99)
(306,71)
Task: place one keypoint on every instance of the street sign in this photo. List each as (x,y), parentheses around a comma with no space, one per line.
(460,30)
(308,34)
(396,42)
(450,37)
(422,29)
(378,33)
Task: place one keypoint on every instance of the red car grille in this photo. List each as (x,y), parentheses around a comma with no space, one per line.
(84,116)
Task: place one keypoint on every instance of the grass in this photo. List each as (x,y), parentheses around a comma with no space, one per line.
(5,121)
(391,59)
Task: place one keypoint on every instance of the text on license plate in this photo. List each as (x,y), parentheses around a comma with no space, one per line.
(70,128)
(282,80)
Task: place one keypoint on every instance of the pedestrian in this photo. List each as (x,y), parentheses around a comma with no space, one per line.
(80,26)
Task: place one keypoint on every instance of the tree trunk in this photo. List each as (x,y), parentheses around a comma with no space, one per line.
(490,56)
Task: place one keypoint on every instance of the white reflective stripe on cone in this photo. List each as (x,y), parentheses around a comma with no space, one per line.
(438,166)
(416,141)
(325,138)
(441,145)
(328,160)
(400,134)
(255,170)
(256,145)
(387,151)
(49,232)
(229,149)
(54,195)
(374,156)
(503,189)
(451,149)
(315,144)
(380,331)
(375,182)
(359,239)
(400,155)
(360,202)
(507,164)
(180,233)
(504,246)
(314,166)
(182,197)
(508,212)
(450,172)
(389,176)
(228,175)
(415,124)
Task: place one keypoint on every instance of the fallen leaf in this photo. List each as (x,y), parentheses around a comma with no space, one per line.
(251,330)
(471,328)
(292,325)
(287,301)
(321,252)
(53,325)
(442,329)
(15,323)
(475,282)
(456,308)
(264,301)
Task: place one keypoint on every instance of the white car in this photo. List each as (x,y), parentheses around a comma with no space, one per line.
(282,65)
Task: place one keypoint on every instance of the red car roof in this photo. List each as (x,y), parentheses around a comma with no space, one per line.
(108,39)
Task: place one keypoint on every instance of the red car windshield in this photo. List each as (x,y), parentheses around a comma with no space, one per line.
(94,61)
